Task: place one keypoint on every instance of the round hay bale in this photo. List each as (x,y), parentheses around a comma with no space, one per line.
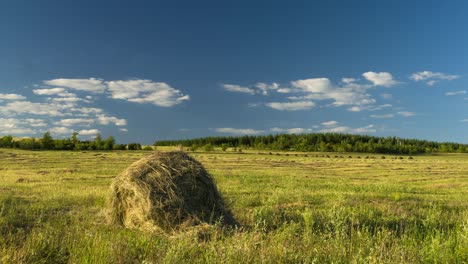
(166,191)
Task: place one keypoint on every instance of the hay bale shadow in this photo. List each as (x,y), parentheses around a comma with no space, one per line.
(166,191)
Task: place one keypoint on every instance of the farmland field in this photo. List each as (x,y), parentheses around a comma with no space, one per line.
(293,207)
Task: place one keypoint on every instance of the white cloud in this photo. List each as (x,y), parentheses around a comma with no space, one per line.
(316,85)
(146,91)
(386,96)
(406,113)
(355,109)
(123,130)
(74,121)
(322,89)
(15,126)
(432,77)
(455,93)
(60,130)
(238,88)
(92,85)
(291,106)
(34,122)
(305,92)
(349,130)
(88,132)
(49,91)
(238,131)
(285,90)
(380,107)
(264,87)
(348,80)
(11,97)
(330,123)
(105,120)
(383,116)
(26,107)
(86,111)
(68,100)
(380,78)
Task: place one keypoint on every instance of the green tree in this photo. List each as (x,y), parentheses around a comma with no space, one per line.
(47,142)
(208,147)
(134,146)
(98,141)
(224,147)
(109,143)
(6,142)
(74,139)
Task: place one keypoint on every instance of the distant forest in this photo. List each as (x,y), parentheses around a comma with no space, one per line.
(327,142)
(47,142)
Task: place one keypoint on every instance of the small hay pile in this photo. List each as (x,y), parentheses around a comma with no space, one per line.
(166,191)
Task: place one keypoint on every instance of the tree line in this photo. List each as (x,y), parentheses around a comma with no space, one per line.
(326,142)
(47,142)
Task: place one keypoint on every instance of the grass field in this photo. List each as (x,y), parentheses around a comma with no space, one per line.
(294,208)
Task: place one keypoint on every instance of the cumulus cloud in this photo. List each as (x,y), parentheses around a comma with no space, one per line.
(238,131)
(49,91)
(348,80)
(88,132)
(86,111)
(383,116)
(304,93)
(315,85)
(285,90)
(406,113)
(34,122)
(238,88)
(432,77)
(60,130)
(330,123)
(355,109)
(11,97)
(18,126)
(291,106)
(65,111)
(259,88)
(322,89)
(26,107)
(105,120)
(92,85)
(264,88)
(386,96)
(74,121)
(380,78)
(455,93)
(68,100)
(137,91)
(146,91)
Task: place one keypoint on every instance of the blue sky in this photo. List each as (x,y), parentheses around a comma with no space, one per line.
(148,70)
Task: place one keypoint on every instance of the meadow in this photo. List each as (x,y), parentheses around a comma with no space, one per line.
(293,208)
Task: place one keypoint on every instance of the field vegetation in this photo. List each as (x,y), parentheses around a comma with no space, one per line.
(293,207)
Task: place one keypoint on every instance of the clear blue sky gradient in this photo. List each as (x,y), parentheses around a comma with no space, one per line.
(197,47)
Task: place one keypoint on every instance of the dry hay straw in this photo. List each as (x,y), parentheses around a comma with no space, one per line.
(166,191)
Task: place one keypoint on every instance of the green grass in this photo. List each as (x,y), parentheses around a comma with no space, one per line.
(292,209)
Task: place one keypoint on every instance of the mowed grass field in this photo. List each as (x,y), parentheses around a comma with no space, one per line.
(293,207)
